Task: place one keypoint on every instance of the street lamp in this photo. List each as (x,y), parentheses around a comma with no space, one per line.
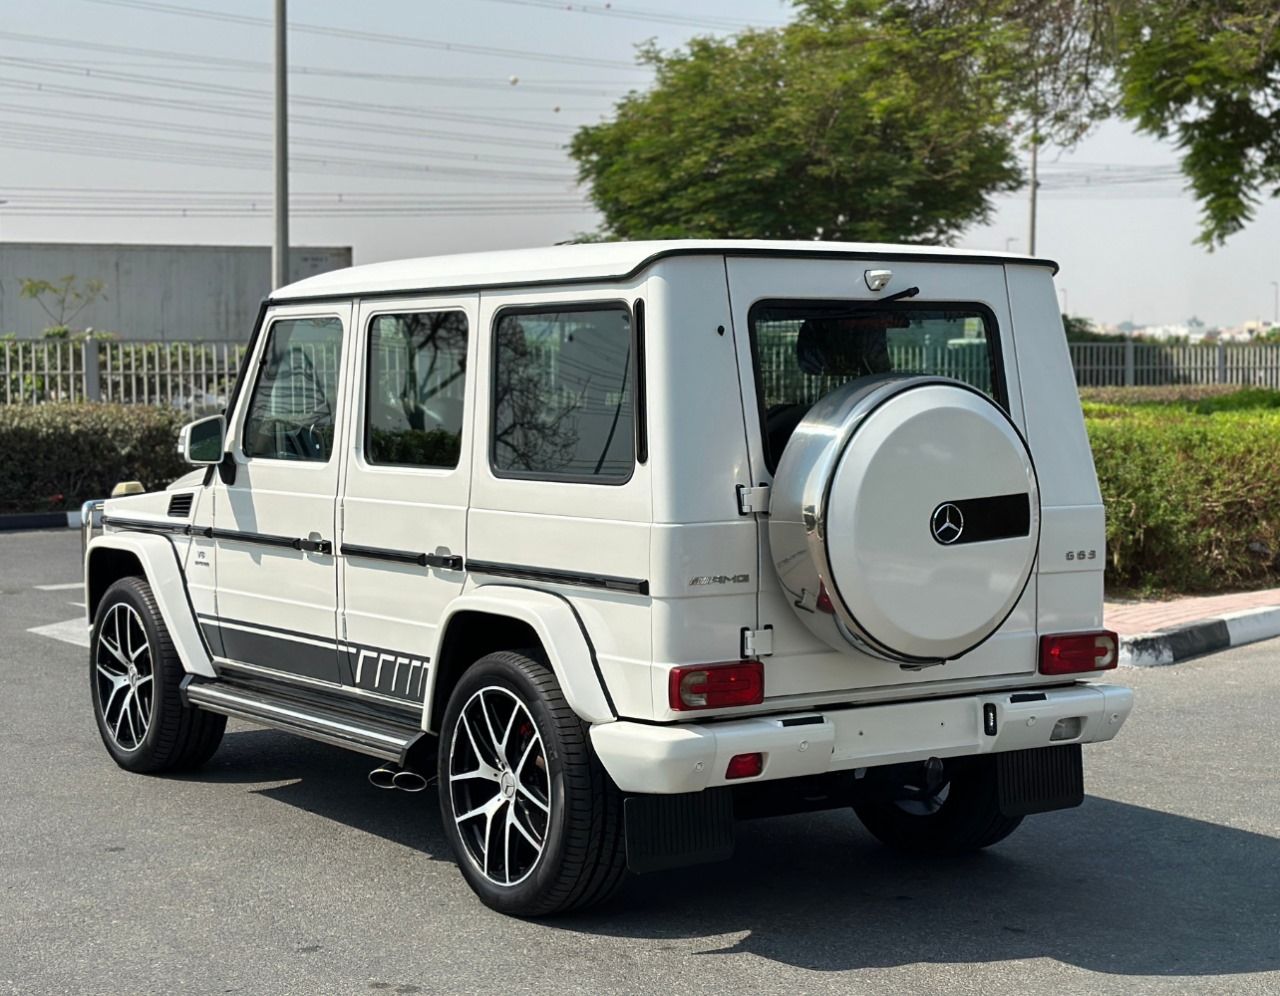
(1063,292)
(1275,285)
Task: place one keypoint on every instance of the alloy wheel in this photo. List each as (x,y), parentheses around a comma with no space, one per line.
(499,785)
(125,679)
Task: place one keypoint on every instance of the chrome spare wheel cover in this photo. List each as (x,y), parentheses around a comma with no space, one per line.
(124,672)
(905,519)
(499,785)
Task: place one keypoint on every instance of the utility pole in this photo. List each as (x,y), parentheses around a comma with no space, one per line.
(1031,235)
(280,247)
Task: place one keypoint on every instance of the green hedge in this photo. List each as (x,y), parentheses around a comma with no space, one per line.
(53,457)
(1192,491)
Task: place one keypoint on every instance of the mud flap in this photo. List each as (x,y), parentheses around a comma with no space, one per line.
(673,831)
(1039,780)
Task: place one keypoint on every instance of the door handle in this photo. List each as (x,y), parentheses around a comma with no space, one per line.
(448,561)
(313,546)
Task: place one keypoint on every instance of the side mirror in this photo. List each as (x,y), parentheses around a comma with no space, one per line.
(202,442)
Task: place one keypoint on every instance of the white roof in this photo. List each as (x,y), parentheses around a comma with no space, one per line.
(586,262)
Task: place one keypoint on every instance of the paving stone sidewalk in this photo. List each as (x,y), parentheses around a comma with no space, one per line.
(1132,618)
(1153,633)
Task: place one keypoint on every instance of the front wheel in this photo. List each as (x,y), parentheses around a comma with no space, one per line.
(534,819)
(943,808)
(135,676)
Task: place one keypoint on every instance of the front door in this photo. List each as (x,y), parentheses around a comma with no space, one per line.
(406,487)
(274,524)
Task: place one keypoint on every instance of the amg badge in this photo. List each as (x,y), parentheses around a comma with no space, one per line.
(719,579)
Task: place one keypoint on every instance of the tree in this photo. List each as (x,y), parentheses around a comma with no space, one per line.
(62,300)
(1206,73)
(849,124)
(1203,73)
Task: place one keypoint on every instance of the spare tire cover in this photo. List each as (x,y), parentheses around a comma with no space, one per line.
(905,518)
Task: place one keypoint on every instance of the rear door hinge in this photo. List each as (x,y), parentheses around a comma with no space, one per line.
(753,501)
(757,643)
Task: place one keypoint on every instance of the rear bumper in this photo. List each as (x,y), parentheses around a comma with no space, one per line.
(691,757)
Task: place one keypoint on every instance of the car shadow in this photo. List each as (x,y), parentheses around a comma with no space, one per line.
(1109,887)
(329,782)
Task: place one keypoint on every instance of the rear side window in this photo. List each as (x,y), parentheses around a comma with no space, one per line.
(295,400)
(563,394)
(416,378)
(806,349)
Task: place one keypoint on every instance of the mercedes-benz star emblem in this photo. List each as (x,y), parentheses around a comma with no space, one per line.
(947,523)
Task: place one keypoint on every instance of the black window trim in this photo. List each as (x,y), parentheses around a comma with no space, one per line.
(999,385)
(553,307)
(267,330)
(368,351)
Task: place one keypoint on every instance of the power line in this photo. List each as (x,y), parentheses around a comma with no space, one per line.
(250,136)
(349,34)
(115,96)
(221,89)
(188,59)
(638,14)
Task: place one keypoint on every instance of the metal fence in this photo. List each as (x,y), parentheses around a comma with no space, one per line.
(1108,364)
(191,376)
(198,377)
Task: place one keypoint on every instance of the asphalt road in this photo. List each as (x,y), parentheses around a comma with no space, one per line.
(278,869)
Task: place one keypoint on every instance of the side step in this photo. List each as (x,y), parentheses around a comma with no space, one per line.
(382,736)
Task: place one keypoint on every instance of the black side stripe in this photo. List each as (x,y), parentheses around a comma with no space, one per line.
(581,579)
(450,562)
(145,526)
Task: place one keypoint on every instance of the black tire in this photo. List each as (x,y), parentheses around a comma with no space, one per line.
(966,818)
(582,860)
(174,737)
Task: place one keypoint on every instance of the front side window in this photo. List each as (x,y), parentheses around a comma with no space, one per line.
(417,375)
(806,349)
(563,396)
(294,406)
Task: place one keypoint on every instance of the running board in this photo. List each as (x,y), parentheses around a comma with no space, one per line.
(377,737)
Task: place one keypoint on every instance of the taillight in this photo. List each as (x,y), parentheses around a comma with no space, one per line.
(714,686)
(1077,653)
(744,766)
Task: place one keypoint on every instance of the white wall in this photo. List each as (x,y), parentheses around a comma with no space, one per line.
(154,292)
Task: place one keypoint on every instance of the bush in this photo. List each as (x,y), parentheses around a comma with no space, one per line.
(56,456)
(1193,499)
(1163,395)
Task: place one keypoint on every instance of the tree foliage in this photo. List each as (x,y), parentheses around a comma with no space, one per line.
(1206,73)
(850,124)
(62,300)
(897,119)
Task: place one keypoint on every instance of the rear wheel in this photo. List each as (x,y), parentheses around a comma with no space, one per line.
(533,817)
(135,676)
(941,808)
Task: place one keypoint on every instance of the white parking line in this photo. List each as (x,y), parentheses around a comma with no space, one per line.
(60,587)
(74,631)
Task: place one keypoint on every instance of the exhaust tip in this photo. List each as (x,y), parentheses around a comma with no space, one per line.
(384,777)
(409,781)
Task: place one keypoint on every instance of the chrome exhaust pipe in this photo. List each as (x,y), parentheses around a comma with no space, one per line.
(409,781)
(384,777)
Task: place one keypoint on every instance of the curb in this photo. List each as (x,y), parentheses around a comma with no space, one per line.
(40,520)
(1179,643)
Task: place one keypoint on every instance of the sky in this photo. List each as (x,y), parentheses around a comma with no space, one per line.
(432,126)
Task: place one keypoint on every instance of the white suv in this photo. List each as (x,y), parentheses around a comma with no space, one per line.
(622,543)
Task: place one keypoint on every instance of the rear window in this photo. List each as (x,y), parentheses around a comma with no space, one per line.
(806,349)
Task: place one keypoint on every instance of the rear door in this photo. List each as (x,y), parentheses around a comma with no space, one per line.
(405,489)
(957,324)
(274,524)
